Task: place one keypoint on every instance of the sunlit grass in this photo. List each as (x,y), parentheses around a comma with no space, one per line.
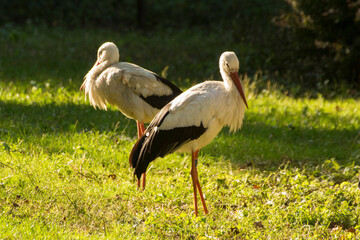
(290,172)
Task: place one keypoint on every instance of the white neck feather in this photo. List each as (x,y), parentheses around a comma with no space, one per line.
(235,115)
(95,99)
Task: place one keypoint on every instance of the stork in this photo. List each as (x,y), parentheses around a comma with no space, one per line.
(192,120)
(137,92)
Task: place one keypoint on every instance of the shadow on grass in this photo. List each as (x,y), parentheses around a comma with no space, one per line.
(255,145)
(18,118)
(267,147)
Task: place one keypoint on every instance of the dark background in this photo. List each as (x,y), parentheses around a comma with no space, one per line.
(306,42)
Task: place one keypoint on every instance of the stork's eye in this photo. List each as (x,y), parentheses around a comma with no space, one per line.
(227,65)
(100,53)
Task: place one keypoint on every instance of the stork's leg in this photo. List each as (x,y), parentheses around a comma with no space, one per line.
(195,158)
(142,128)
(144,180)
(140,131)
(193,171)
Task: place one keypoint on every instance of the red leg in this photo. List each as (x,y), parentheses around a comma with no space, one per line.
(194,183)
(201,196)
(138,183)
(142,127)
(197,183)
(140,131)
(144,180)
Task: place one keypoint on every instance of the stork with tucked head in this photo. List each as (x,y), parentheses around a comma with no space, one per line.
(192,120)
(138,93)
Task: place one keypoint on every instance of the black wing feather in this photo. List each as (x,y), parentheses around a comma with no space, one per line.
(158,143)
(160,101)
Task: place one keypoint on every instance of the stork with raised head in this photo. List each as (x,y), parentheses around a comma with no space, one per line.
(137,92)
(192,120)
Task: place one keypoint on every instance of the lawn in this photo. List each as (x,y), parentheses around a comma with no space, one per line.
(290,172)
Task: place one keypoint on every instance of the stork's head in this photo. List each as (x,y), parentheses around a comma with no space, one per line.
(229,66)
(229,62)
(108,52)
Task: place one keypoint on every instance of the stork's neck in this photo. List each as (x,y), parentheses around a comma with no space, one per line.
(97,70)
(228,82)
(91,76)
(235,116)
(231,88)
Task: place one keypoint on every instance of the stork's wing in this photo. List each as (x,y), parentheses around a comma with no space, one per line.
(184,119)
(157,142)
(153,89)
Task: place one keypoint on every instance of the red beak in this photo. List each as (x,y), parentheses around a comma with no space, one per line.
(236,80)
(82,86)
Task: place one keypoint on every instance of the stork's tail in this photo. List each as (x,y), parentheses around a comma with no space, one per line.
(153,143)
(135,154)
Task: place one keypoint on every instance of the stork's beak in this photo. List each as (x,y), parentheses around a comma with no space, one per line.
(236,80)
(82,85)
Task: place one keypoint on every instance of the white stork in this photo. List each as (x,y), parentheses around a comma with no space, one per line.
(138,93)
(192,120)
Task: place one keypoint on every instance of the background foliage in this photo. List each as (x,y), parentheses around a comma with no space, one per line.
(311,43)
(326,39)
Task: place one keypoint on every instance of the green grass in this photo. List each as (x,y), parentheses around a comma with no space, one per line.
(290,172)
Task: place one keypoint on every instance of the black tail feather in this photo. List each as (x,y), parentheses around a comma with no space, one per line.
(135,152)
(141,156)
(158,143)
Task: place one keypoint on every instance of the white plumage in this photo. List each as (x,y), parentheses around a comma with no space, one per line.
(126,85)
(193,119)
(209,104)
(137,92)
